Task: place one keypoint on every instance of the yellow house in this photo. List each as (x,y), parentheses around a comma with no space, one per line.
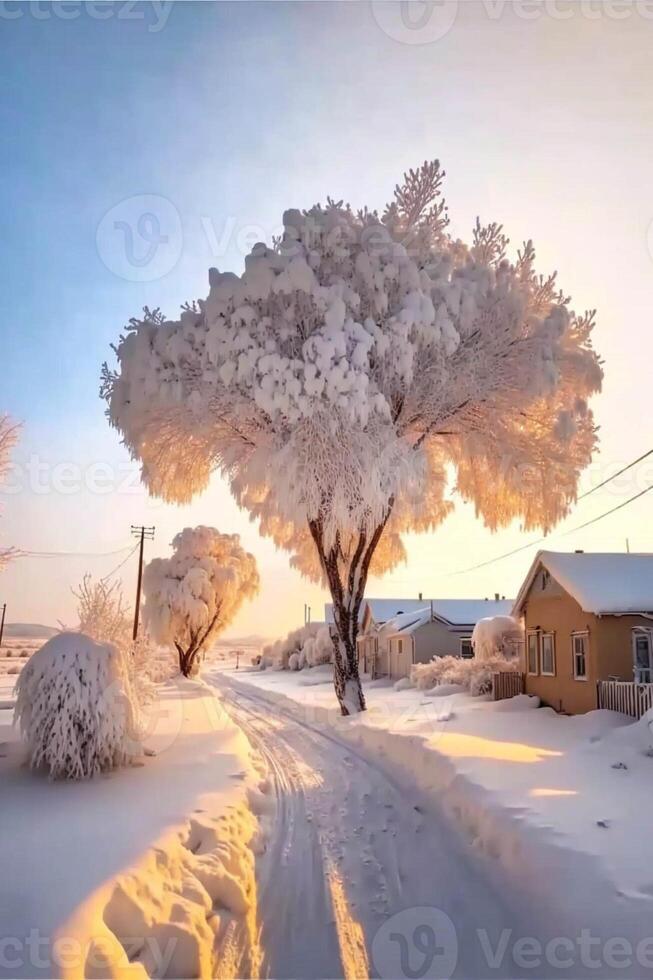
(587,618)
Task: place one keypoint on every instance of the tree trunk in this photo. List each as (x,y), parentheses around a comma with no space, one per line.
(188,656)
(186,660)
(346,576)
(346,676)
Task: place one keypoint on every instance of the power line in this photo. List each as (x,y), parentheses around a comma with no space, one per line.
(615,475)
(507,554)
(106,578)
(70,554)
(612,510)
(571,530)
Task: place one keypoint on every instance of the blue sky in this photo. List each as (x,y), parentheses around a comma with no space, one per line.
(230,113)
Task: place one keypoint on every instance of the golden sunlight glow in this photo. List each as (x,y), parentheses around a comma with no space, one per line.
(474,747)
(550,791)
(353,953)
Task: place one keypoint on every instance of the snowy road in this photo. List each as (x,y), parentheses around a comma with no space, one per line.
(358,878)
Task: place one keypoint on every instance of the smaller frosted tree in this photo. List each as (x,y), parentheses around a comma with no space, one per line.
(103,612)
(193,595)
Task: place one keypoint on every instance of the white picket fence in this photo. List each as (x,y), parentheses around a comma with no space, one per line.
(625,696)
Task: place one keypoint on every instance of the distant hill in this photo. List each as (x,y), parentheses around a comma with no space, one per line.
(30,631)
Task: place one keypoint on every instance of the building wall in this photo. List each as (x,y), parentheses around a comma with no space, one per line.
(427,641)
(615,652)
(561,615)
(437,640)
(609,649)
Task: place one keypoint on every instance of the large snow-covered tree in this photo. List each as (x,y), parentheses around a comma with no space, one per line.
(357,365)
(193,595)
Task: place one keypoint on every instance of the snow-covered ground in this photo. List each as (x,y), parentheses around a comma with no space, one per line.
(355,860)
(559,805)
(267,835)
(151,866)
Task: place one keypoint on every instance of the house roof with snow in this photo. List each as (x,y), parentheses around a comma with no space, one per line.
(607,583)
(455,612)
(407,622)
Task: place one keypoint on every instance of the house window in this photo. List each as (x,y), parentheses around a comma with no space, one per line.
(547,654)
(466,648)
(546,578)
(579,652)
(643,656)
(400,646)
(532,648)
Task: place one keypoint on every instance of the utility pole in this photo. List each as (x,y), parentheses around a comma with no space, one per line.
(2,622)
(140,532)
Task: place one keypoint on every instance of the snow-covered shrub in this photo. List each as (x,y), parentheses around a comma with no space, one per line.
(75,707)
(293,661)
(354,364)
(473,675)
(318,649)
(441,670)
(105,617)
(497,636)
(312,643)
(193,595)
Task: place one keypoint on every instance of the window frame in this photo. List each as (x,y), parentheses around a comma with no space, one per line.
(586,636)
(550,635)
(536,634)
(468,640)
(636,633)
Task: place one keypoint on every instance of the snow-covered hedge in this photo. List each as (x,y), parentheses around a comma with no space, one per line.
(308,646)
(75,707)
(474,675)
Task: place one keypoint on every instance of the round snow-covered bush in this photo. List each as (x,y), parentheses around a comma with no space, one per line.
(293,662)
(75,707)
(497,636)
